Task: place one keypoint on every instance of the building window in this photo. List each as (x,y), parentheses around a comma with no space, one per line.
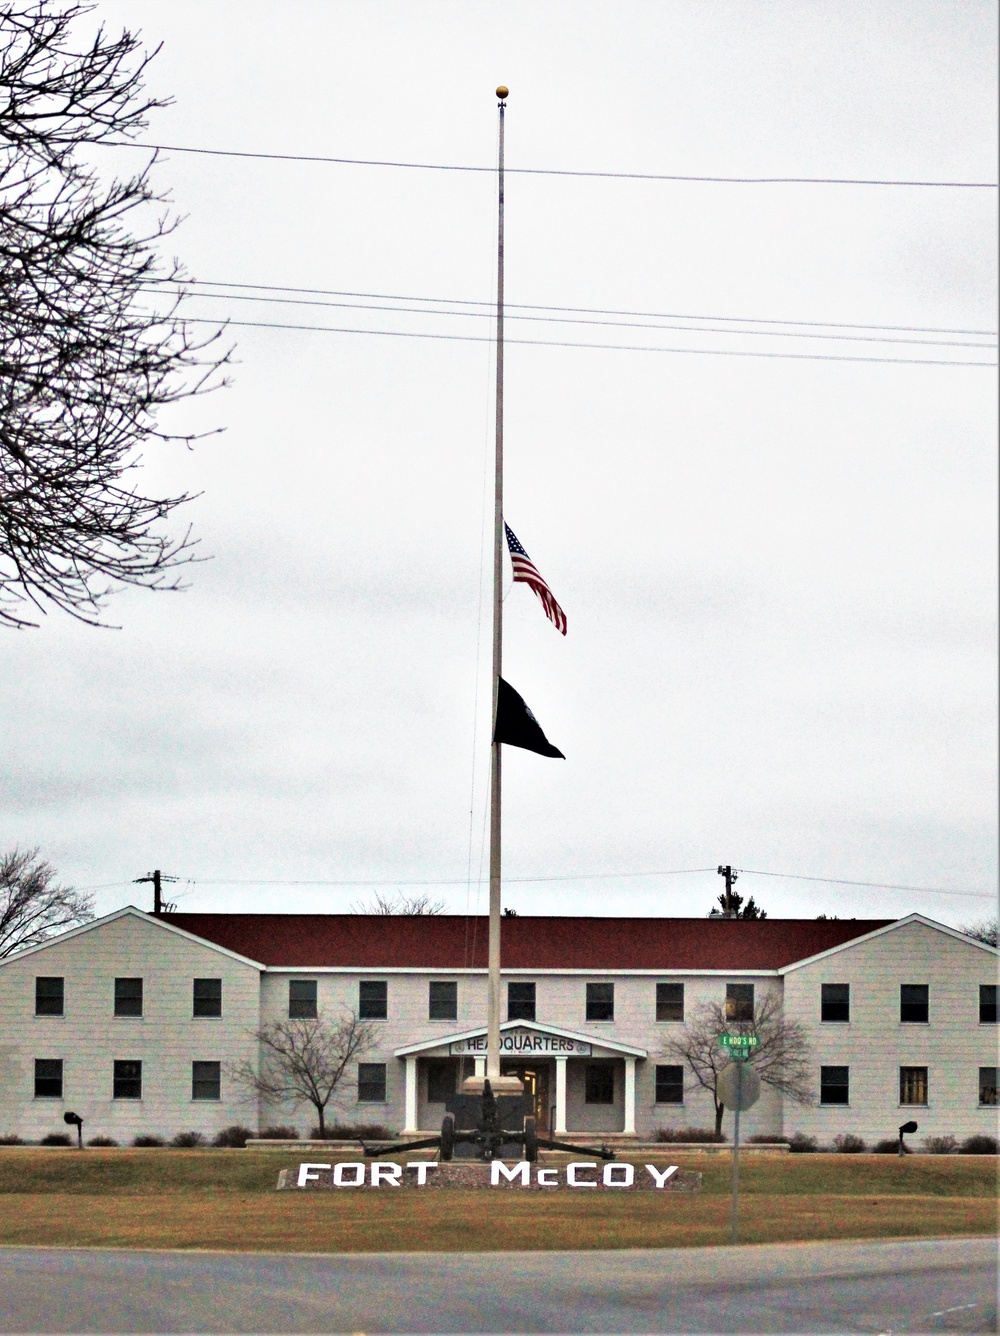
(914,1003)
(987,1085)
(206,1080)
(49,1078)
(834,1085)
(127,1080)
(670,1085)
(128,997)
(371,1082)
(987,1003)
(835,1002)
(208,997)
(442,1004)
(302,999)
(739,1001)
(442,1079)
(520,1001)
(600,1007)
(599,1083)
(669,1001)
(913,1085)
(49,996)
(373,1000)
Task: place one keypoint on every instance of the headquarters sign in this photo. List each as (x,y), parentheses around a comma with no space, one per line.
(523,1043)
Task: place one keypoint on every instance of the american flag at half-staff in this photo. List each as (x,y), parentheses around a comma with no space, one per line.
(526,572)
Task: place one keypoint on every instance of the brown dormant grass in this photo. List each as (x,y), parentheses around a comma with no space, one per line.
(472,1221)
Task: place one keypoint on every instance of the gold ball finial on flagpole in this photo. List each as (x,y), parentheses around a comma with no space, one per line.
(502,92)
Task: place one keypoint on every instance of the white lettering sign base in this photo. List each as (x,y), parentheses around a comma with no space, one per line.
(576,1176)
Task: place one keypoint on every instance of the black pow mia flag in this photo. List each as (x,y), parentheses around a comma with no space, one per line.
(517,726)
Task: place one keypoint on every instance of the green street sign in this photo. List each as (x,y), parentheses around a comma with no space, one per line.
(737,1043)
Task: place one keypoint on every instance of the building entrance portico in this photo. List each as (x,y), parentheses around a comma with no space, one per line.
(552,1062)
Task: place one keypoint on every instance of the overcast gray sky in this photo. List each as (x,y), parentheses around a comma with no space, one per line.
(780,575)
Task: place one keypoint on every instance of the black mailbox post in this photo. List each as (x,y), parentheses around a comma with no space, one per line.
(905,1130)
(76,1121)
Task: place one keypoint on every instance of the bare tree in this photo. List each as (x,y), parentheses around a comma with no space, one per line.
(305,1060)
(380,903)
(92,342)
(985,930)
(32,905)
(781,1058)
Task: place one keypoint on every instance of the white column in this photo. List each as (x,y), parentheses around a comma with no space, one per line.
(629,1128)
(560,1127)
(480,1066)
(411,1095)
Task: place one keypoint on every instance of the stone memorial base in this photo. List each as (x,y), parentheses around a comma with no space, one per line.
(382,1175)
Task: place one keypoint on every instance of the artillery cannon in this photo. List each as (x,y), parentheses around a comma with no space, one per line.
(498,1126)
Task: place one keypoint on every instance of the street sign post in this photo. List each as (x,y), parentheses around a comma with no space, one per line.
(738,1087)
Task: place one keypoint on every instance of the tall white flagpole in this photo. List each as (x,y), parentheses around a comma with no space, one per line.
(493,984)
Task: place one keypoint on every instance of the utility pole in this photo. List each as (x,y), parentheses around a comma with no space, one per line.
(160,906)
(730,875)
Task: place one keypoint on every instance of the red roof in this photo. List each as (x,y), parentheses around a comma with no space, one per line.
(454,941)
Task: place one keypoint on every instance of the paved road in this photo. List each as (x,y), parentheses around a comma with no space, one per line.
(925,1286)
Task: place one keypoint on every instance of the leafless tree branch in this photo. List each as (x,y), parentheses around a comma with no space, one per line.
(781,1058)
(381,903)
(93,342)
(984,930)
(32,905)
(305,1061)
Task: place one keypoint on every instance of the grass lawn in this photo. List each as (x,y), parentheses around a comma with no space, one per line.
(212,1199)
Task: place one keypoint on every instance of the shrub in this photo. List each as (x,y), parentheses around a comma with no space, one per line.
(946,1145)
(102,1141)
(354,1132)
(57,1139)
(848,1144)
(234,1137)
(766,1140)
(11,1139)
(280,1133)
(978,1145)
(889,1146)
(800,1144)
(187,1140)
(693,1134)
(147,1139)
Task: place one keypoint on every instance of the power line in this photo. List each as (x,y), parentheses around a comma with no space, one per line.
(582,310)
(560,343)
(576,877)
(555,171)
(878,885)
(562,877)
(565,320)
(435,881)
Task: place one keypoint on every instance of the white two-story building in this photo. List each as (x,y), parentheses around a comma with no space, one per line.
(137,1022)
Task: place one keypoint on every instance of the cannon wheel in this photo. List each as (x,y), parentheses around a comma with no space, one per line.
(448,1136)
(530,1140)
